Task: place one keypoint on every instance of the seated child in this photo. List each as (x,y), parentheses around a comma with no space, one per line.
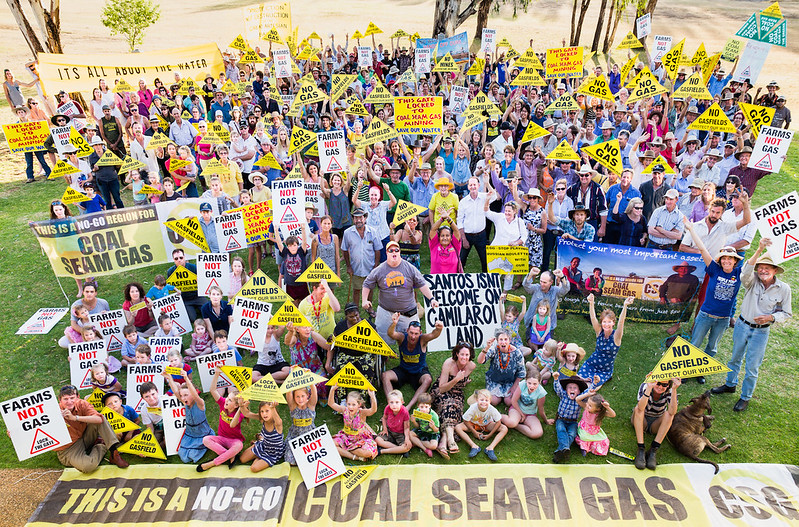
(590,435)
(483,421)
(527,405)
(113,400)
(396,435)
(151,413)
(132,341)
(270,445)
(166,328)
(143,354)
(567,388)
(220,344)
(356,440)
(102,380)
(160,289)
(81,312)
(201,342)
(270,358)
(425,433)
(176,361)
(545,357)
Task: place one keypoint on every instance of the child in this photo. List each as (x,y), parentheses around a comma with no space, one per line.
(237,276)
(570,357)
(143,353)
(270,446)
(134,182)
(113,400)
(229,441)
(200,340)
(165,327)
(132,341)
(102,380)
(220,344)
(483,421)
(270,358)
(511,318)
(81,312)
(590,435)
(169,190)
(160,289)
(151,411)
(527,405)
(545,357)
(540,328)
(356,440)
(302,410)
(396,435)
(191,448)
(176,361)
(567,388)
(313,227)
(96,202)
(425,434)
(293,265)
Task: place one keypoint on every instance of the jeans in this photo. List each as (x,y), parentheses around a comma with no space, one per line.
(704,324)
(748,343)
(478,241)
(109,190)
(550,242)
(29,164)
(566,432)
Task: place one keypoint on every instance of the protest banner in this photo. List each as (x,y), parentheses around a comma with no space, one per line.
(300,378)
(488,43)
(732,49)
(26,137)
(364,337)
(779,220)
(661,46)
(317,456)
(259,19)
(456,45)
(144,444)
(257,219)
(288,313)
(508,259)
(364,57)
(684,360)
(82,357)
(646,86)
(261,287)
(79,72)
(767,26)
(664,283)
(468,305)
(533,132)
(353,477)
(207,364)
(446,64)
(288,200)
(266,389)
(240,376)
(138,374)
(596,87)
(250,318)
(630,41)
(318,271)
(62,168)
(377,131)
(332,151)
(174,416)
(564,62)
(161,346)
(694,86)
(458,98)
(563,103)
(73,196)
(41,322)
(643,25)
(422,60)
(770,149)
(751,61)
(419,115)
(300,137)
(230,231)
(379,95)
(213,269)
(34,423)
(109,326)
(350,377)
(173,306)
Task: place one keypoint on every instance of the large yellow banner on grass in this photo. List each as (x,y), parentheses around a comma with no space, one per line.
(82,72)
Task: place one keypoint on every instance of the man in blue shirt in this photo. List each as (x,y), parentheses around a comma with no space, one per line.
(221,104)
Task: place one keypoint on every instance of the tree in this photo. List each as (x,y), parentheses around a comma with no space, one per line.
(130,18)
(47,20)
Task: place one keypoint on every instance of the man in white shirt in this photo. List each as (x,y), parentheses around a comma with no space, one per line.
(707,168)
(472,223)
(505,138)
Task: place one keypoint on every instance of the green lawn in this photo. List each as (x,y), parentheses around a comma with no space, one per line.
(766,433)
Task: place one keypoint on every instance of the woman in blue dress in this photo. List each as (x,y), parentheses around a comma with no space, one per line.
(191,449)
(608,341)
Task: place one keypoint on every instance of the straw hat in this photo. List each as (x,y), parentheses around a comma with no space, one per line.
(444,181)
(691,268)
(571,346)
(728,250)
(766,259)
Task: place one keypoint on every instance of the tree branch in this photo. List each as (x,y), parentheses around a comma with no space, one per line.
(466,13)
(27,30)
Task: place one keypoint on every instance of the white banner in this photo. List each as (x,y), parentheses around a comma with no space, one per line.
(458,99)
(644,25)
(213,269)
(751,61)
(250,320)
(288,200)
(282,58)
(364,57)
(82,356)
(161,346)
(35,423)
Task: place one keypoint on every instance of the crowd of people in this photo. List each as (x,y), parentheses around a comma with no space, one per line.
(463,177)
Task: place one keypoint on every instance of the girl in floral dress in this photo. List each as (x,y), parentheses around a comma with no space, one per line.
(356,440)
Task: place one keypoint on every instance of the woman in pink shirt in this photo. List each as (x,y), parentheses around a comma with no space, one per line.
(445,247)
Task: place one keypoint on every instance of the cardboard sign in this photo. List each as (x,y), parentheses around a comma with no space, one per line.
(340,83)
(174,415)
(60,135)
(488,43)
(318,271)
(145,445)
(26,137)
(117,421)
(300,378)
(629,42)
(288,200)
(172,370)
(110,325)
(419,115)
(239,43)
(643,25)
(447,65)
(230,230)
(508,259)
(257,220)
(96,399)
(35,423)
(353,477)
(248,329)
(266,389)
(213,269)
(713,119)
(240,376)
(732,49)
(364,337)
(288,313)
(332,151)
(82,357)
(751,61)
(457,99)
(661,47)
(355,107)
(317,456)
(183,279)
(694,86)
(261,287)
(377,131)
(607,154)
(41,322)
(350,377)
(173,306)
(379,95)
(597,87)
(79,142)
(685,360)
(71,196)
(778,220)
(160,348)
(771,148)
(190,229)
(138,374)
(300,138)
(671,60)
(468,307)
(422,60)
(109,159)
(533,132)
(564,62)
(564,152)
(405,210)
(364,57)
(62,168)
(757,116)
(647,86)
(477,67)
(282,60)
(659,160)
(563,103)
(767,26)
(207,364)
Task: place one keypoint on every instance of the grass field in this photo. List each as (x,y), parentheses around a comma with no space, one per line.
(766,433)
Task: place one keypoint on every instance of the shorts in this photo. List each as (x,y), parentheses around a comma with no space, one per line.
(297,291)
(426,435)
(403,377)
(649,420)
(357,282)
(398,438)
(263,369)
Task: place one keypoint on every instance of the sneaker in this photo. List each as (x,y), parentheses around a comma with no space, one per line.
(640,459)
(491,455)
(473,452)
(116,459)
(722,389)
(651,458)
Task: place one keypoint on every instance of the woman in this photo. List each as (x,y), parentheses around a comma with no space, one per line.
(311,174)
(327,245)
(505,367)
(632,224)
(461,170)
(11,88)
(445,246)
(180,175)
(145,97)
(62,219)
(377,213)
(339,205)
(281,150)
(448,397)
(510,229)
(92,302)
(535,221)
(142,318)
(409,239)
(561,207)
(702,206)
(475,149)
(608,341)
(306,347)
(217,313)
(97,104)
(732,186)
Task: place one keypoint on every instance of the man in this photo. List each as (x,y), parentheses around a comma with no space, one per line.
(683,178)
(105,177)
(422,188)
(714,230)
(679,287)
(741,238)
(727,162)
(625,148)
(90,433)
(717,82)
(138,151)
(665,227)
(360,246)
(574,276)
(23,117)
(397,281)
(653,192)
(111,132)
(687,201)
(505,138)
(767,301)
(208,226)
(624,191)
(412,368)
(180,131)
(472,223)
(706,168)
(576,227)
(657,405)
(749,176)
(782,115)
(191,300)
(590,195)
(320,308)
(769,98)
(564,170)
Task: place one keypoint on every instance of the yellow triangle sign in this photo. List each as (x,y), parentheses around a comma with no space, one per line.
(229,87)
(307,94)
(482,103)
(355,107)
(288,313)
(416,36)
(314,35)
(773,10)
(357,35)
(365,338)
(659,160)
(239,43)
(261,287)
(300,138)
(73,196)
(529,59)
(647,86)
(318,271)
(607,154)
(511,54)
(757,116)
(240,376)
(119,423)
(159,140)
(504,43)
(700,54)
(407,77)
(372,29)
(564,152)
(563,103)
(300,378)
(625,72)
(377,131)
(340,83)
(295,172)
(472,117)
(528,77)
(80,142)
(684,360)
(694,86)
(273,36)
(446,65)
(145,445)
(405,210)
(122,86)
(533,132)
(708,65)
(214,167)
(221,132)
(379,95)
(190,229)
(268,161)
(399,34)
(178,163)
(183,279)
(62,168)
(629,42)
(350,377)
(149,189)
(129,164)
(185,115)
(96,398)
(713,119)
(266,389)
(353,477)
(477,67)
(249,56)
(597,87)
(671,60)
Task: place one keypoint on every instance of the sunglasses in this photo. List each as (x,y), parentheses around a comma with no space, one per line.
(56,202)
(394,250)
(638,208)
(414,324)
(34,103)
(560,188)
(663,384)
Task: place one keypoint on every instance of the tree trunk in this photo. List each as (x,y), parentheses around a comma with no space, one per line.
(579,29)
(482,20)
(48,22)
(571,30)
(27,30)
(611,34)
(447,18)
(599,21)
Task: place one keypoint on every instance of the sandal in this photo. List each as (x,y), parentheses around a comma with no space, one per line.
(443,453)
(453,447)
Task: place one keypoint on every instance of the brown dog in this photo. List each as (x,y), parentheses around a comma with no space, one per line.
(687,431)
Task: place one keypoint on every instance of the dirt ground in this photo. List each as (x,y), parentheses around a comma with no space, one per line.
(21,491)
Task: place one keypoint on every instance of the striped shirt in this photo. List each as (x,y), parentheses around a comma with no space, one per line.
(655,408)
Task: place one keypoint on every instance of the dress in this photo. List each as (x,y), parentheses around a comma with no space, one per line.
(602,359)
(302,420)
(503,370)
(191,444)
(540,330)
(270,447)
(449,404)
(534,241)
(512,328)
(327,252)
(356,434)
(307,357)
(410,253)
(590,436)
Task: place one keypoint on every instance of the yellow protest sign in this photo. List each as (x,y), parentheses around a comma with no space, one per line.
(210,138)
(295,172)
(405,210)
(511,54)
(694,86)
(504,43)
(229,87)
(773,10)
(183,279)
(625,72)
(353,477)
(731,49)
(71,196)
(408,76)
(261,287)
(273,36)
(355,107)
(171,370)
(268,161)
(713,119)
(671,60)
(757,116)
(145,445)
(318,271)
(477,67)
(340,83)
(659,160)
(597,87)
(528,77)
(564,151)
(399,34)
(423,416)
(629,42)
(240,376)
(508,259)
(62,168)
(96,398)
(416,36)
(239,43)
(700,55)
(350,377)
(266,389)
(220,131)
(80,142)
(118,422)
(472,118)
(528,59)
(26,136)
(288,313)
(300,138)
(307,94)
(563,103)
(214,167)
(379,95)
(249,56)
(300,378)
(607,154)
(708,65)
(533,132)
(564,62)
(446,65)
(647,86)
(684,360)
(158,140)
(122,86)
(377,131)
(514,298)
(365,338)
(190,229)
(372,29)
(129,164)
(313,35)
(357,35)
(149,189)
(482,103)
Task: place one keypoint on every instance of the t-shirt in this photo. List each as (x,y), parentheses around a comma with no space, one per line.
(444,260)
(271,354)
(722,289)
(424,426)
(225,430)
(129,413)
(320,315)
(450,201)
(151,418)
(655,408)
(396,422)
(96,204)
(396,285)
(400,191)
(128,349)
(528,401)
(141,318)
(477,417)
(154,293)
(220,321)
(293,265)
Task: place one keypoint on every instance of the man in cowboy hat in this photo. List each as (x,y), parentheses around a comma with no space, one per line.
(590,195)
(718,81)
(706,167)
(577,226)
(653,192)
(567,388)
(565,170)
(681,286)
(398,188)
(767,301)
(782,115)
(640,161)
(687,201)
(607,132)
(360,247)
(688,115)
(770,98)
(749,176)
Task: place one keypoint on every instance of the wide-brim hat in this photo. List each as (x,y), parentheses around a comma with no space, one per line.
(744,150)
(548,122)
(96,140)
(774,84)
(647,154)
(668,136)
(359,212)
(254,175)
(23,108)
(586,169)
(444,181)
(697,183)
(395,166)
(607,125)
(416,144)
(691,268)
(565,381)
(766,259)
(534,193)
(579,207)
(657,141)
(714,152)
(728,250)
(692,139)
(54,119)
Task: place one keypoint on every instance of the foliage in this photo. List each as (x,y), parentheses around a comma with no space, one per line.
(130,18)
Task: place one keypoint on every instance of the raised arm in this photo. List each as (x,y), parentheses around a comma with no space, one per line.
(697,241)
(592,314)
(622,318)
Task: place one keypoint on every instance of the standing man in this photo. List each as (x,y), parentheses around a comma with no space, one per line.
(767,301)
(360,246)
(412,368)
(111,132)
(749,176)
(472,222)
(180,131)
(665,227)
(653,192)
(590,195)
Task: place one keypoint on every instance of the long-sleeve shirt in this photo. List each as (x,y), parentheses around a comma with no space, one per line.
(552,296)
(759,300)
(471,213)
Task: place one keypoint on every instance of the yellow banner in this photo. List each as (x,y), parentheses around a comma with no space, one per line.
(72,73)
(508,259)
